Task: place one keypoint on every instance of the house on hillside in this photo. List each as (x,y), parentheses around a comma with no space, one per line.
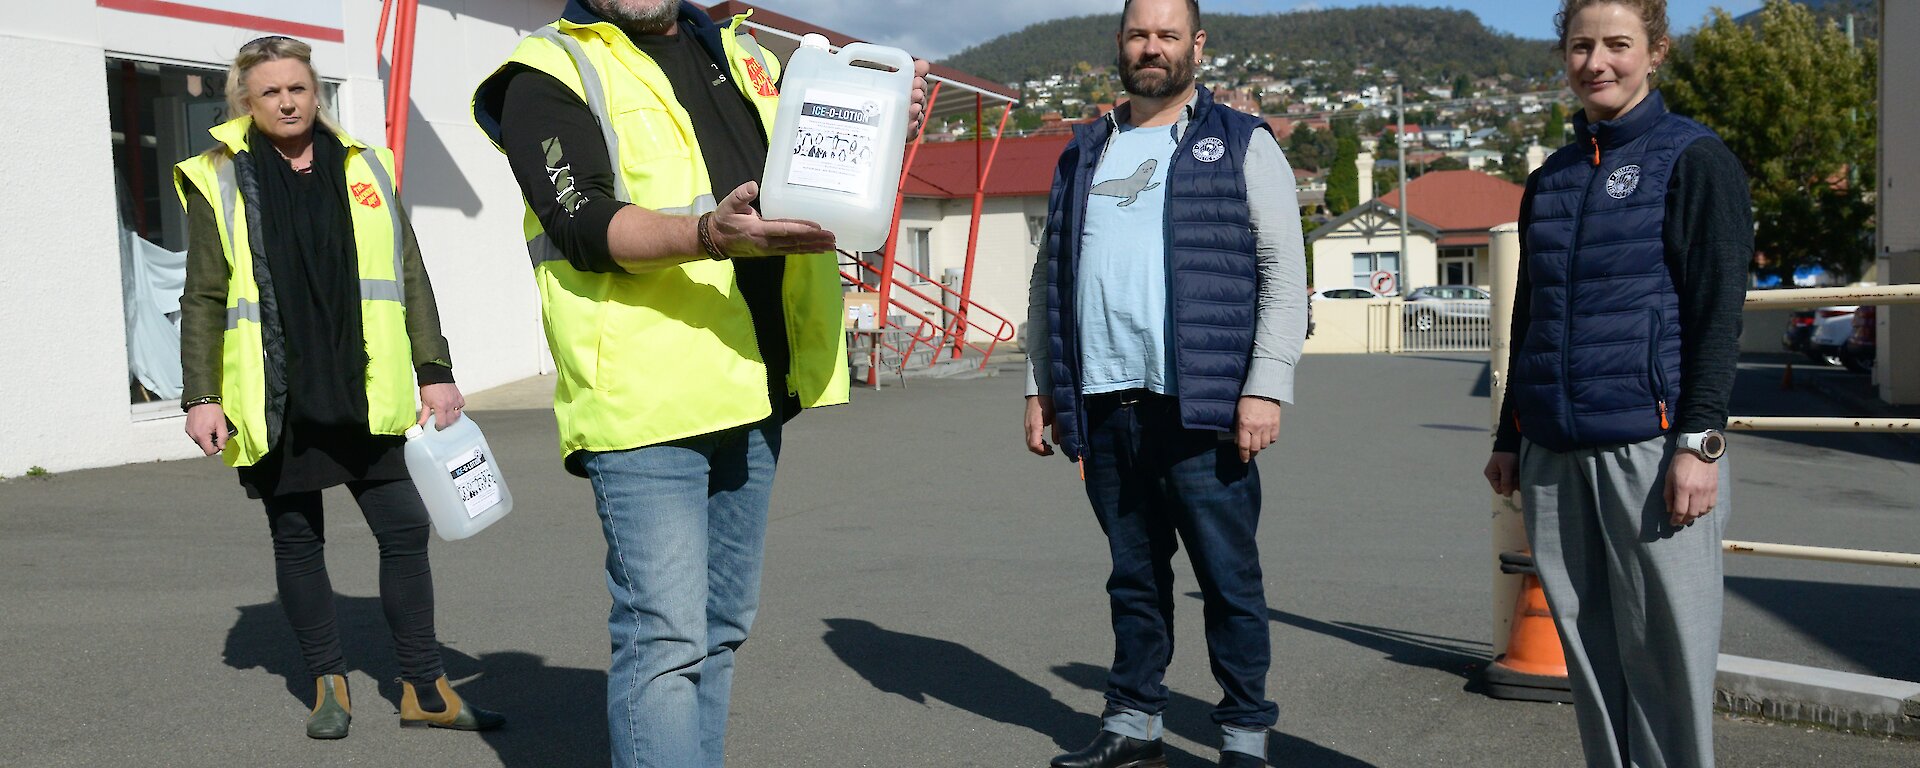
(1448,215)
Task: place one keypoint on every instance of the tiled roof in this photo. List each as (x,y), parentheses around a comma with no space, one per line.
(1460,201)
(1024,166)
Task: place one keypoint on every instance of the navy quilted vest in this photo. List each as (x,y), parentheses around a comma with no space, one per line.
(1601,361)
(1211,256)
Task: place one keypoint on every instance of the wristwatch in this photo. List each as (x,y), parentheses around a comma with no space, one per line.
(1709,445)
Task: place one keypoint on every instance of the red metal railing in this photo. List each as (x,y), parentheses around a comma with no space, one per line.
(399,77)
(935,334)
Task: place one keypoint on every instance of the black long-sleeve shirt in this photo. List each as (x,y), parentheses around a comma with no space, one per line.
(1708,240)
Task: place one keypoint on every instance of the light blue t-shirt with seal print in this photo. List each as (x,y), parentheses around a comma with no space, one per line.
(1121,290)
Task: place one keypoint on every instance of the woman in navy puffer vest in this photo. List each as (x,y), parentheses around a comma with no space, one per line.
(1635,241)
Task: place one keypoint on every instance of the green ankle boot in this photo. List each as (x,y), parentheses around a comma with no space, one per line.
(455,714)
(332,711)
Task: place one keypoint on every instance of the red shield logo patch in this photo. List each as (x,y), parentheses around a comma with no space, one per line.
(758,74)
(365,194)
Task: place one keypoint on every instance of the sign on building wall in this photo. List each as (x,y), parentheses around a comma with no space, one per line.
(298,18)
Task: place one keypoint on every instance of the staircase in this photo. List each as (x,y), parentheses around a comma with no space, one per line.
(933,325)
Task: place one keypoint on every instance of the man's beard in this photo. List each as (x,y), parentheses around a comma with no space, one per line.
(643,16)
(1175,78)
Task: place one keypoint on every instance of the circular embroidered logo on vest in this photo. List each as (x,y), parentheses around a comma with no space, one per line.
(1209,149)
(1623,182)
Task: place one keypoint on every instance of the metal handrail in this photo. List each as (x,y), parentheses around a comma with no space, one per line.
(928,280)
(934,340)
(1819,424)
(953,332)
(1818,297)
(1866,295)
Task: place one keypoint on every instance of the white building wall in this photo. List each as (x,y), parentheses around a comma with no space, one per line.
(1333,259)
(63,356)
(1003,260)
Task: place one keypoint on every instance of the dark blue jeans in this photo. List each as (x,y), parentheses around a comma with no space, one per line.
(1154,485)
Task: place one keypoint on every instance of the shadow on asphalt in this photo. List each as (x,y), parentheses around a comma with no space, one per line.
(1190,718)
(1452,655)
(920,668)
(556,715)
(1860,622)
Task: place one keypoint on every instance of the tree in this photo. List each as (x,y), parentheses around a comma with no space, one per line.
(1796,103)
(1310,149)
(1343,179)
(1462,87)
(1555,134)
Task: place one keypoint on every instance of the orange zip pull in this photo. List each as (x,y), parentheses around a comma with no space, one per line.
(1663,416)
(1083,469)
(1596,150)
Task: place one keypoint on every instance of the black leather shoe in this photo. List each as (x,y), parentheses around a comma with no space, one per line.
(1112,750)
(1240,760)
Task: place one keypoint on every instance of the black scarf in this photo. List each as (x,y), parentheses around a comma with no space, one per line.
(308,235)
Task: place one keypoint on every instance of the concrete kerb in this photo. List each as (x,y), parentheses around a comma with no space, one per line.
(1825,697)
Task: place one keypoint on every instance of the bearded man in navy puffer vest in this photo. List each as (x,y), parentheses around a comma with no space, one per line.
(1635,240)
(1167,311)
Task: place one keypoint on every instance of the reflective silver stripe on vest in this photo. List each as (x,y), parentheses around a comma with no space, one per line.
(229,192)
(381,290)
(395,289)
(542,250)
(746,40)
(242,310)
(596,95)
(701,204)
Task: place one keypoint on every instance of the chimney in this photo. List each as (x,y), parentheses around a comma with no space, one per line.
(1364,163)
(1536,157)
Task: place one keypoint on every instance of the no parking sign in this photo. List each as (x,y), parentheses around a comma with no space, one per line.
(1382,283)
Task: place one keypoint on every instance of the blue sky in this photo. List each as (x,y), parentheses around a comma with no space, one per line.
(936,29)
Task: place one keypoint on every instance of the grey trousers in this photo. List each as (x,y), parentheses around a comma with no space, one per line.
(1637,600)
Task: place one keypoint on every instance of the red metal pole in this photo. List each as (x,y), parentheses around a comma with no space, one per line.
(973,229)
(380,40)
(885,279)
(400,88)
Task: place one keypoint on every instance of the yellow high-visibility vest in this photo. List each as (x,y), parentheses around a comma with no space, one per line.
(650,358)
(244,390)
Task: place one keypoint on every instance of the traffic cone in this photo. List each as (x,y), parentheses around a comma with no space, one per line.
(1534,668)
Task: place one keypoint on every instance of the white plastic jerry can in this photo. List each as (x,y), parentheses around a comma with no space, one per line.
(458,477)
(838,139)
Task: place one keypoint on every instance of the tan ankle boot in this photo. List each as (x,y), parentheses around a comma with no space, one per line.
(458,715)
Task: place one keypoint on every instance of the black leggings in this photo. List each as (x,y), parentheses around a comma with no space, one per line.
(399,521)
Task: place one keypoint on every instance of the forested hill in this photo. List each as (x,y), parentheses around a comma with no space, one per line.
(1428,44)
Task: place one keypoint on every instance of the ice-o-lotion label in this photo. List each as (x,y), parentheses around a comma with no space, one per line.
(834,144)
(474,478)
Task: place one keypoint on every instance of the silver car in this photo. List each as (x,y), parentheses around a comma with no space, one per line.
(1447,306)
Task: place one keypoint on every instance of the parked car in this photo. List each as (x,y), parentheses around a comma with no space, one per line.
(1343,293)
(1451,306)
(1859,351)
(1831,327)
(1799,334)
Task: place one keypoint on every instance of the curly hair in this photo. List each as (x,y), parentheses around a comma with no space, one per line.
(1653,14)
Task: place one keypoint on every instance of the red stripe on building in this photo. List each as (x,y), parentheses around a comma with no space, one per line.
(225,18)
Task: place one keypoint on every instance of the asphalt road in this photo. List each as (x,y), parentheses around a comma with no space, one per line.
(932,596)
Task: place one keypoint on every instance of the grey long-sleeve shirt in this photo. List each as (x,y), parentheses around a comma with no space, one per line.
(1280,324)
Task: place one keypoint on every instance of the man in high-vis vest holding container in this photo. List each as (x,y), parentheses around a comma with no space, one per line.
(685,328)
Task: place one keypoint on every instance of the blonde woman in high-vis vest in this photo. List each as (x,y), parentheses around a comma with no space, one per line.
(306,322)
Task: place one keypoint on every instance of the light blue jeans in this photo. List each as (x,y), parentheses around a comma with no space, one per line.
(686,526)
